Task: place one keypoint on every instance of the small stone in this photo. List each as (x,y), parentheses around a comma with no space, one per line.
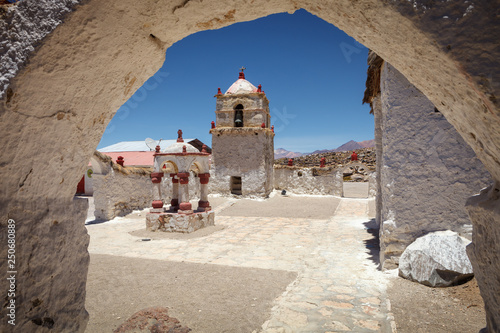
(369,324)
(293,318)
(342,289)
(316,289)
(338,305)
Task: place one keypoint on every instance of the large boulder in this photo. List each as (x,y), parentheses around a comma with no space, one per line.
(437,259)
(152,320)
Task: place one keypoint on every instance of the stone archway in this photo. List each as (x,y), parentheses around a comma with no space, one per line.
(67,91)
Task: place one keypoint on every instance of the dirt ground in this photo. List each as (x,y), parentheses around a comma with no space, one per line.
(421,309)
(205,298)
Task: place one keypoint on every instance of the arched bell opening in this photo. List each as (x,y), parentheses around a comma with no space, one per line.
(238,116)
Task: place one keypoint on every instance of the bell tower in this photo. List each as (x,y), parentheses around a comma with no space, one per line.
(242,141)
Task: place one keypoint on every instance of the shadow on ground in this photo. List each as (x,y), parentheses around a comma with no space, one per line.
(373,243)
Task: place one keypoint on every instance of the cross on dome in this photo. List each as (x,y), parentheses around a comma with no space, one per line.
(242,75)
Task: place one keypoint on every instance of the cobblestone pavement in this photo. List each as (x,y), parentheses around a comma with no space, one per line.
(338,288)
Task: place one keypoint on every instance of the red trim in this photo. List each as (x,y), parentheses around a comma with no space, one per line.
(185,206)
(80,188)
(157,204)
(180,154)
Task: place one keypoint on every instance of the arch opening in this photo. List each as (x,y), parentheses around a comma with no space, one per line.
(444,86)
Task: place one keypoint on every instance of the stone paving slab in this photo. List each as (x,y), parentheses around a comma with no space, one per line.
(338,288)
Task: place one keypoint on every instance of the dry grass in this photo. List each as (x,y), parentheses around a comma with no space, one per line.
(373,78)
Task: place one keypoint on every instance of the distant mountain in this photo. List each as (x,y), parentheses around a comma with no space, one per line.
(348,146)
(368,143)
(351,145)
(280,153)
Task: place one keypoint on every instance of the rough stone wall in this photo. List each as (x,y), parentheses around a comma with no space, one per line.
(242,152)
(59,102)
(316,181)
(255,109)
(484,210)
(377,113)
(116,194)
(427,170)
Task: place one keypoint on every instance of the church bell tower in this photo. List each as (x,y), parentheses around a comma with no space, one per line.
(242,141)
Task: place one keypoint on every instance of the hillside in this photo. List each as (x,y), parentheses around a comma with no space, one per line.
(280,153)
(365,155)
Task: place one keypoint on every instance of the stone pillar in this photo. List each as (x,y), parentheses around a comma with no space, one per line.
(185,205)
(157,202)
(174,203)
(484,251)
(203,204)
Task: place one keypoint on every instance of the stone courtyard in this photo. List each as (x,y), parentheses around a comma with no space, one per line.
(286,264)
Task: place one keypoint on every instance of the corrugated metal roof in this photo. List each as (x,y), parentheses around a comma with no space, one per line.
(133,158)
(137,146)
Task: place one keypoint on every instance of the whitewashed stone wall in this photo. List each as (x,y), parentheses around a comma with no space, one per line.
(117,194)
(427,172)
(242,152)
(316,181)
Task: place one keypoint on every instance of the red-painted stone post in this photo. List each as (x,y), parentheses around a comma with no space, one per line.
(156,179)
(203,204)
(185,205)
(174,203)
(354,156)
(322,162)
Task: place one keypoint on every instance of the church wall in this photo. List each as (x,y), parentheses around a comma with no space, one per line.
(242,152)
(427,172)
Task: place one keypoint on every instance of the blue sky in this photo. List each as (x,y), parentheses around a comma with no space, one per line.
(313,75)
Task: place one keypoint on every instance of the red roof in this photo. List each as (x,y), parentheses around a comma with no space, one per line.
(133,158)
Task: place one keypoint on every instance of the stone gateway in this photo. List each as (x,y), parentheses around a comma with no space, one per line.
(68,65)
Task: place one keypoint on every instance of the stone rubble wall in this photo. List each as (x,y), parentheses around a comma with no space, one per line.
(427,171)
(315,181)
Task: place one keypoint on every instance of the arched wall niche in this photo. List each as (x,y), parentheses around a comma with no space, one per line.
(59,104)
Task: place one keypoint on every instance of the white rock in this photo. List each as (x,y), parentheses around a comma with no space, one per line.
(437,259)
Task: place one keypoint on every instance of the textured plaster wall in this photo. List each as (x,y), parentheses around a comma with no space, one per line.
(242,152)
(58,102)
(316,181)
(427,170)
(116,194)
